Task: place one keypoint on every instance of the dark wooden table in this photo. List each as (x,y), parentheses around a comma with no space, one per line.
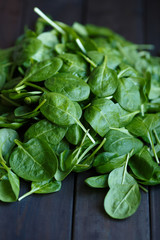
(76,212)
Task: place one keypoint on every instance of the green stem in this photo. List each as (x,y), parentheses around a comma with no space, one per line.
(83,128)
(28,194)
(143,188)
(156,135)
(80,45)
(152,145)
(89,104)
(87,59)
(142,110)
(3,162)
(126,164)
(21,82)
(96,150)
(9,101)
(53,24)
(36,87)
(87,150)
(39,106)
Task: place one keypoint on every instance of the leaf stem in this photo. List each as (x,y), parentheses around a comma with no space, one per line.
(36,86)
(143,188)
(39,106)
(126,164)
(80,45)
(88,59)
(156,135)
(28,194)
(9,101)
(47,19)
(96,150)
(83,128)
(152,145)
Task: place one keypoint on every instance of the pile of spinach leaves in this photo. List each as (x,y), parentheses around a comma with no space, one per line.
(73,98)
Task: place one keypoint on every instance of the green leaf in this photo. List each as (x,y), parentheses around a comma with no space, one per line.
(101,115)
(34,160)
(126,94)
(122,201)
(69,85)
(120,141)
(43,187)
(97,181)
(47,131)
(103,81)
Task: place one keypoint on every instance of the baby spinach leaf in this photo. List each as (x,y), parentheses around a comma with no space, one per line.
(42,187)
(106,162)
(49,39)
(26,49)
(34,160)
(42,70)
(7,193)
(47,131)
(103,81)
(74,134)
(69,85)
(97,181)
(142,164)
(101,115)
(73,64)
(120,141)
(7,137)
(126,94)
(61,110)
(122,200)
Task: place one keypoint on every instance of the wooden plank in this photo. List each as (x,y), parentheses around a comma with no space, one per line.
(153,36)
(91,221)
(10,19)
(37,217)
(127,19)
(154,212)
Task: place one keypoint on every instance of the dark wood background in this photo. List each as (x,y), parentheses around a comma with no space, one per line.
(76,212)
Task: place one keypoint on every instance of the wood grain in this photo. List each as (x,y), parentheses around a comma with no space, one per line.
(38,217)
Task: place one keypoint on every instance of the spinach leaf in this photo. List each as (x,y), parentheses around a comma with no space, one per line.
(74,64)
(123,198)
(47,131)
(43,70)
(34,160)
(101,115)
(26,49)
(7,192)
(69,85)
(120,141)
(122,201)
(42,187)
(74,134)
(106,162)
(103,81)
(97,181)
(61,110)
(126,94)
